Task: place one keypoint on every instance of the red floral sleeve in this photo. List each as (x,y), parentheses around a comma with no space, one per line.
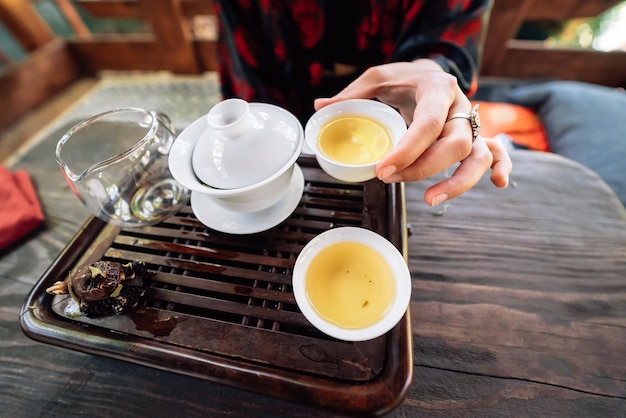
(448,31)
(283,51)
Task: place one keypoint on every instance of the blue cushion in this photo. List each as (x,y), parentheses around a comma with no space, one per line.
(584,122)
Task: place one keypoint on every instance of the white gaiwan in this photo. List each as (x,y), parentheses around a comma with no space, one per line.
(241,156)
(241,147)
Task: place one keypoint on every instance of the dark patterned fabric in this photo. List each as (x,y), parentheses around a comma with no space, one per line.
(283,51)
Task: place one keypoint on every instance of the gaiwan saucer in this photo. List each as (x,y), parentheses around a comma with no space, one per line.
(218,218)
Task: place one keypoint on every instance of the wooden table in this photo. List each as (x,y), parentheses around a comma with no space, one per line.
(518,309)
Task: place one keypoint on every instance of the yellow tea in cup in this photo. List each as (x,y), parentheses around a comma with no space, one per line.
(354,139)
(350,285)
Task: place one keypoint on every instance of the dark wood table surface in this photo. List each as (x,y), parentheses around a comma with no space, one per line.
(518,309)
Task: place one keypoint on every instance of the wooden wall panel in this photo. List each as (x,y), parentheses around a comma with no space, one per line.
(504,56)
(505,19)
(568,9)
(128,53)
(206,53)
(137,53)
(172,33)
(107,9)
(32,81)
(25,24)
(528,59)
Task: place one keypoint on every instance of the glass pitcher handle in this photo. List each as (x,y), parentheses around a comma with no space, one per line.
(168,134)
(164,119)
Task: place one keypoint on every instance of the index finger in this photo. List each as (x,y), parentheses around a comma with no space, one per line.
(431,110)
(363,87)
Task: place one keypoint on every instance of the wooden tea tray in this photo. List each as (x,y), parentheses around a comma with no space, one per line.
(221,306)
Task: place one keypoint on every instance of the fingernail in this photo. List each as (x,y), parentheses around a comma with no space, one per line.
(394,178)
(319,103)
(386,172)
(439,198)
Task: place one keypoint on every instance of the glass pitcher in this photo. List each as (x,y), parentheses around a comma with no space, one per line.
(117,164)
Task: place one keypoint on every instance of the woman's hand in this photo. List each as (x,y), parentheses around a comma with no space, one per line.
(426,96)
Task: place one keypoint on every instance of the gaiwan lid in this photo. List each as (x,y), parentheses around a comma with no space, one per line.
(245,143)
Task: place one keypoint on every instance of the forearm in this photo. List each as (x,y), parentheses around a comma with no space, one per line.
(451,37)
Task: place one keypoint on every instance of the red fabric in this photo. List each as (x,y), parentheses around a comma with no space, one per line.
(20,210)
(522,124)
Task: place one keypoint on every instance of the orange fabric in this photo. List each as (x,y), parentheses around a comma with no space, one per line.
(520,123)
(20,210)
